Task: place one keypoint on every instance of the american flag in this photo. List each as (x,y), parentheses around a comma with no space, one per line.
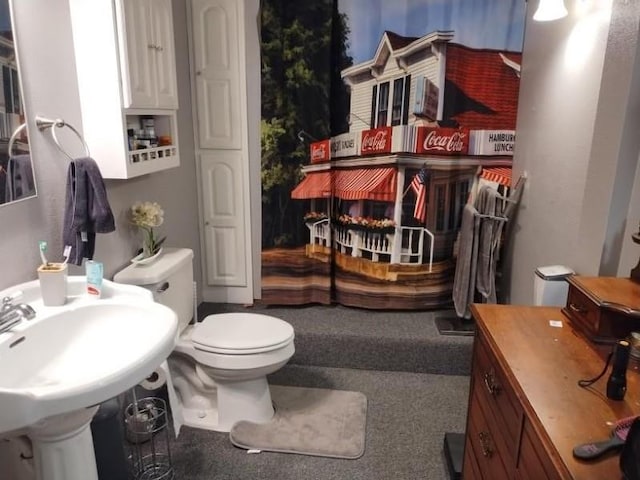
(420,189)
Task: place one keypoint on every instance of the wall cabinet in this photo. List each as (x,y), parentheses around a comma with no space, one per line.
(145,29)
(125,63)
(526,410)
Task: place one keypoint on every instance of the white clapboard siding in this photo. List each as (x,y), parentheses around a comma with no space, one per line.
(361,91)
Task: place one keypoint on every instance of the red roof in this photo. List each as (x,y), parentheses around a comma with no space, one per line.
(398,41)
(485,80)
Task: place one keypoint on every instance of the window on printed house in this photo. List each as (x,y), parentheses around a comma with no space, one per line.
(374,102)
(383,105)
(11,90)
(400,104)
(449,213)
(463,196)
(441,205)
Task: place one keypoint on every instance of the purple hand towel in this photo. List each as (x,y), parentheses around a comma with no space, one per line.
(87,209)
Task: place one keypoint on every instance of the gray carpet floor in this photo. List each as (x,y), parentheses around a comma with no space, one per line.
(415,381)
(407,416)
(337,336)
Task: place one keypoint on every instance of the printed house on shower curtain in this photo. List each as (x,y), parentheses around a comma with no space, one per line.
(427,116)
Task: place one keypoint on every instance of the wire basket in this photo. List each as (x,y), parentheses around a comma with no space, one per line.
(147,433)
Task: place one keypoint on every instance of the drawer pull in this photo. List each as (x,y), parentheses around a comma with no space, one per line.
(577,308)
(485,444)
(490,382)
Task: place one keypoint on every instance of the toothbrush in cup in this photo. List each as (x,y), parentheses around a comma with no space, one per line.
(66,254)
(43,249)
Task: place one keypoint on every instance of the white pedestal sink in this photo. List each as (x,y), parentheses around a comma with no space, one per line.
(56,368)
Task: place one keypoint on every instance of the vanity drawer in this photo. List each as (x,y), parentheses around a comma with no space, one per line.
(484,457)
(495,392)
(584,313)
(533,461)
(603,322)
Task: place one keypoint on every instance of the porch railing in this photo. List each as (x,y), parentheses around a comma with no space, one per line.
(412,245)
(374,243)
(358,243)
(320,232)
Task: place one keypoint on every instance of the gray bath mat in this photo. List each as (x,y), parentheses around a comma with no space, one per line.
(309,421)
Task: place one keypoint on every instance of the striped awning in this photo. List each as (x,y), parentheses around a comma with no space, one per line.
(501,175)
(377,184)
(314,185)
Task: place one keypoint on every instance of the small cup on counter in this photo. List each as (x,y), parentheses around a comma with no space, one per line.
(53,283)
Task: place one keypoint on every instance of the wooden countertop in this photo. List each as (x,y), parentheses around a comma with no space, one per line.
(544,364)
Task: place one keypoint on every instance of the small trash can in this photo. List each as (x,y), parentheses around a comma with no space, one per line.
(550,285)
(108,442)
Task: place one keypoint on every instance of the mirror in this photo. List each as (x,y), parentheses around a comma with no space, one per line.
(16,169)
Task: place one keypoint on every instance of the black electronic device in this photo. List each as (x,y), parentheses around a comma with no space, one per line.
(617,383)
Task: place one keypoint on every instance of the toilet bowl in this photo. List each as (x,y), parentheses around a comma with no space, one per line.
(219,366)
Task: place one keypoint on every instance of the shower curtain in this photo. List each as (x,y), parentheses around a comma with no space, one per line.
(380,122)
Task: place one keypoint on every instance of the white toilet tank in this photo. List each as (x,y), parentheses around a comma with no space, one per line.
(170,279)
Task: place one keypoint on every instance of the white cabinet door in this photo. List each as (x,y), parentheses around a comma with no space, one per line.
(148,54)
(221,177)
(136,53)
(215,64)
(165,57)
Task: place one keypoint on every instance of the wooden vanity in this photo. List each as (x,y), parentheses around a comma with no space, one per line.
(526,410)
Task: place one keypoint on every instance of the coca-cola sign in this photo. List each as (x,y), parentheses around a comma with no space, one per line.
(320,151)
(377,140)
(442,141)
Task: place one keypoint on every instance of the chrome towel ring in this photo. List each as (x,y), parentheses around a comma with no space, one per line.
(44,123)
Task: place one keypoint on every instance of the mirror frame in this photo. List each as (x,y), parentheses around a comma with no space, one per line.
(14,128)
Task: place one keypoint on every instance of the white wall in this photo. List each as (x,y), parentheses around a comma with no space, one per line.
(576,128)
(45,45)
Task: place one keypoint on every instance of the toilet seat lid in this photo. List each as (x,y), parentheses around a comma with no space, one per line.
(241,333)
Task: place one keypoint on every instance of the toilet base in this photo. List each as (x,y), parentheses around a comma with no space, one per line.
(226,404)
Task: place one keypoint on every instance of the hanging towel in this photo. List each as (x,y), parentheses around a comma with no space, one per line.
(489,242)
(19,178)
(87,209)
(464,282)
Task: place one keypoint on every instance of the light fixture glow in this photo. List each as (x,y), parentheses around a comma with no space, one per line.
(550,10)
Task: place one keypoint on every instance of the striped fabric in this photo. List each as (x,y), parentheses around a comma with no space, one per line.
(314,185)
(377,184)
(419,188)
(501,175)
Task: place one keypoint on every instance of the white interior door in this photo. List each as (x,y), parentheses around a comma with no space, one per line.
(218,77)
(216,67)
(222,212)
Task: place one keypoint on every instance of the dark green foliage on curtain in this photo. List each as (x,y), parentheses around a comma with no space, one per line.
(303,52)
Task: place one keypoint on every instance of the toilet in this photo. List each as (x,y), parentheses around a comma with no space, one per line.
(219,366)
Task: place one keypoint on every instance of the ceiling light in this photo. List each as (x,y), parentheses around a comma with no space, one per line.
(550,10)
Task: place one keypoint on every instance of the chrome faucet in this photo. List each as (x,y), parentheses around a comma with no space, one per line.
(11,315)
